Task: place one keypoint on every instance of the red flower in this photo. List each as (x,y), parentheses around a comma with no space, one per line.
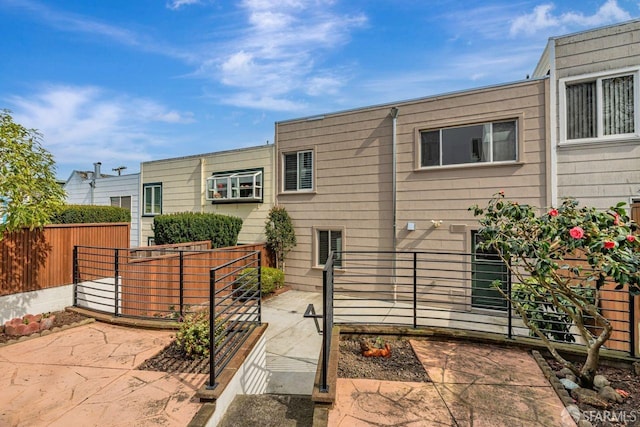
(616,219)
(608,244)
(501,192)
(553,212)
(631,238)
(576,233)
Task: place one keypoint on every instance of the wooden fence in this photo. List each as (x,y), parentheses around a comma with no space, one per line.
(43,258)
(156,281)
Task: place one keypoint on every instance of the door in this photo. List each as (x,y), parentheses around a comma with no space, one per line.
(486,267)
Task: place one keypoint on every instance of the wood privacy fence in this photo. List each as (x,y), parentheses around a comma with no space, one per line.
(31,260)
(158,281)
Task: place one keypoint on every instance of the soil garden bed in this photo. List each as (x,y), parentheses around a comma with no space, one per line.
(62,318)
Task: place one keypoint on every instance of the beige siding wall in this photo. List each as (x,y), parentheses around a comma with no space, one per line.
(184,184)
(603,173)
(353,174)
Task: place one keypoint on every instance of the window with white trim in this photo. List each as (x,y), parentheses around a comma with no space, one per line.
(599,106)
(298,171)
(122,202)
(152,199)
(480,143)
(235,186)
(329,240)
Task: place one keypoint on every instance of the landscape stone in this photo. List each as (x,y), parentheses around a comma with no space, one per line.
(600,381)
(575,412)
(568,384)
(572,377)
(589,397)
(584,423)
(562,373)
(610,394)
(636,368)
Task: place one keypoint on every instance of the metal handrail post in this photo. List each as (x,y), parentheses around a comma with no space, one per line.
(415,290)
(509,307)
(181,302)
(116,288)
(260,287)
(212,341)
(75,276)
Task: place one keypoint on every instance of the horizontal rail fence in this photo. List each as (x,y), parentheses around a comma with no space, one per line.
(456,291)
(158,282)
(235,310)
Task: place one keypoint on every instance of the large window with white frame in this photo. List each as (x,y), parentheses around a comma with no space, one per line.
(236,186)
(599,106)
(329,240)
(298,171)
(152,199)
(491,142)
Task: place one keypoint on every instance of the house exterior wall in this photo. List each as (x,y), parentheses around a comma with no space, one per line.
(79,192)
(353,166)
(184,186)
(598,173)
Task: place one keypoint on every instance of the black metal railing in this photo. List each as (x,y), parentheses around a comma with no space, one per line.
(235,311)
(452,290)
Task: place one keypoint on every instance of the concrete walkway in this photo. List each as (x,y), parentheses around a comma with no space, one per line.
(293,343)
(473,385)
(85,376)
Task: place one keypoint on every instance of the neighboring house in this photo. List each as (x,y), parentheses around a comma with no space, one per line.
(595,110)
(96,188)
(402,176)
(235,182)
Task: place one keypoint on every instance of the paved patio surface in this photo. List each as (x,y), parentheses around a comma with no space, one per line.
(473,385)
(86,376)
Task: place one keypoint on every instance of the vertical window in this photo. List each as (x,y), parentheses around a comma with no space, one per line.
(152,194)
(122,202)
(600,107)
(330,240)
(298,171)
(482,143)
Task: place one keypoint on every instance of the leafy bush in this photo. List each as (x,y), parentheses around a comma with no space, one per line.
(86,214)
(271,278)
(281,236)
(542,311)
(221,230)
(193,335)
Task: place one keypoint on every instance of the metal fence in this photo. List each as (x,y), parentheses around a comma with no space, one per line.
(455,291)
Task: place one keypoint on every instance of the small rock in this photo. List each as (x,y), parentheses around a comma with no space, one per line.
(636,368)
(568,384)
(600,382)
(589,397)
(584,423)
(610,394)
(562,373)
(573,411)
(572,377)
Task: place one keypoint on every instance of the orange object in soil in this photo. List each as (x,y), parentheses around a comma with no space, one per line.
(378,352)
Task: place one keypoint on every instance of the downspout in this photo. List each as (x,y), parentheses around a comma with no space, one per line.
(203,184)
(394,117)
(553,112)
(96,175)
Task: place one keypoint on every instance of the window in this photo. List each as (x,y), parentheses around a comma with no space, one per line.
(599,107)
(152,202)
(236,186)
(329,240)
(298,171)
(481,143)
(122,202)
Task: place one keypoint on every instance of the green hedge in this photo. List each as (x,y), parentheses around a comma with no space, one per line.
(222,230)
(86,214)
(272,279)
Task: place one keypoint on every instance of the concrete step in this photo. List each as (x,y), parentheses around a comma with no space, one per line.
(269,410)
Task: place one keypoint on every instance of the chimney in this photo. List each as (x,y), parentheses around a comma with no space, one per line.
(96,170)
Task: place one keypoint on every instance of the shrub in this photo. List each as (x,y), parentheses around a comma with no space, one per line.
(272,279)
(281,236)
(193,335)
(221,230)
(85,214)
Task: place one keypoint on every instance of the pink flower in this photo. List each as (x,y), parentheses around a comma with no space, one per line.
(616,219)
(608,244)
(631,238)
(553,212)
(501,192)
(576,233)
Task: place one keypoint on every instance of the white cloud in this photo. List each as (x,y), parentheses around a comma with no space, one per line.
(177,4)
(81,125)
(279,53)
(542,18)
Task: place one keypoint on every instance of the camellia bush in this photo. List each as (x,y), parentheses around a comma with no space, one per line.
(563,258)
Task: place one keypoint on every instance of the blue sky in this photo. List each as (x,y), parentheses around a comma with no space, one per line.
(125,81)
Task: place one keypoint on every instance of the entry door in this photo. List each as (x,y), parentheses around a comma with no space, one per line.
(486,267)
